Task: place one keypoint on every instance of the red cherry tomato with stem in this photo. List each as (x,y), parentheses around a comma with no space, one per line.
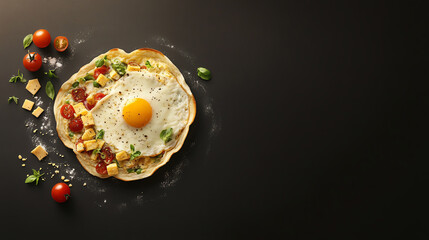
(41,38)
(67,111)
(60,192)
(32,61)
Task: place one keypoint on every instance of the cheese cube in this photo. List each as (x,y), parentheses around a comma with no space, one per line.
(94,156)
(80,147)
(90,145)
(33,86)
(100,143)
(112,169)
(114,75)
(88,134)
(28,105)
(123,155)
(37,111)
(39,152)
(90,99)
(102,80)
(132,68)
(79,109)
(88,120)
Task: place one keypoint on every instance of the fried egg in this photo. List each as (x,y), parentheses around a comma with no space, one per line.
(138,108)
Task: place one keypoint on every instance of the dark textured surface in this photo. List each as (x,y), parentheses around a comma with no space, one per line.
(313,126)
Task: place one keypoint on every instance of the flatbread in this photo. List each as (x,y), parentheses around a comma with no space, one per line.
(136,57)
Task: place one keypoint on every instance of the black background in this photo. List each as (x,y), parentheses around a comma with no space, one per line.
(314,125)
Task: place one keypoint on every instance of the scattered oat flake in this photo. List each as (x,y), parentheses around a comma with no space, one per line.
(70,185)
(56,171)
(84,184)
(66,180)
(19,157)
(62,177)
(23,165)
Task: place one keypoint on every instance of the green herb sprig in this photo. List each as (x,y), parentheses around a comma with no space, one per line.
(166,135)
(134,153)
(13,98)
(51,74)
(19,77)
(34,177)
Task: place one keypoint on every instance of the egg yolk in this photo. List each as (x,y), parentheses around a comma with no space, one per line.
(137,112)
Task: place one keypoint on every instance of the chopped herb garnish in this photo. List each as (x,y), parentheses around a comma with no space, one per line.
(71,134)
(166,135)
(75,85)
(119,67)
(147,64)
(96,84)
(19,77)
(134,153)
(100,134)
(34,177)
(51,74)
(95,151)
(89,77)
(99,62)
(135,170)
(81,80)
(117,163)
(204,73)
(13,98)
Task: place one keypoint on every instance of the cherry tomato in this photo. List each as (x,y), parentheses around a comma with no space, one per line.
(108,155)
(41,38)
(79,94)
(101,168)
(60,192)
(100,70)
(88,105)
(99,96)
(61,43)
(32,61)
(67,111)
(76,125)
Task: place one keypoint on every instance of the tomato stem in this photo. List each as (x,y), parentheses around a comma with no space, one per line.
(67,196)
(31,56)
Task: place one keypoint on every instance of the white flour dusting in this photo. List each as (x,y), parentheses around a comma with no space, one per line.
(53,62)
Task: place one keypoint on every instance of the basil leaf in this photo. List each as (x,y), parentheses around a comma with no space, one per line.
(13,98)
(89,77)
(75,84)
(27,40)
(96,84)
(99,62)
(204,73)
(51,74)
(166,135)
(30,179)
(100,134)
(50,91)
(139,170)
(147,64)
(119,67)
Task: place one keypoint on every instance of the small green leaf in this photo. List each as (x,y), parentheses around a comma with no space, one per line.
(99,62)
(50,91)
(147,64)
(13,98)
(138,170)
(30,179)
(132,148)
(71,134)
(19,77)
(95,151)
(96,84)
(75,85)
(51,74)
(27,40)
(81,80)
(204,73)
(166,135)
(100,134)
(130,170)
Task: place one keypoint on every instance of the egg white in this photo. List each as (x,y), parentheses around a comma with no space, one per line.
(170,109)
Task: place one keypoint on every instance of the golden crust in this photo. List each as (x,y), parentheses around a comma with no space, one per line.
(136,57)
